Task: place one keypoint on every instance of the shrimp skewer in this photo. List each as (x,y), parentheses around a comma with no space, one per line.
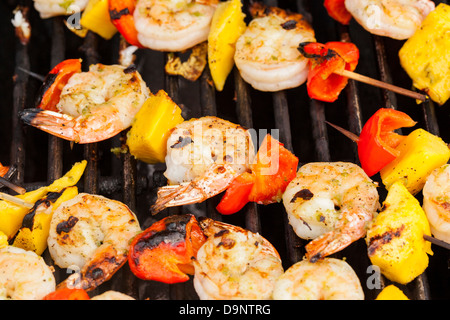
(203,157)
(436,202)
(327,279)
(266,54)
(235,263)
(24,275)
(94,105)
(91,233)
(398,19)
(330,203)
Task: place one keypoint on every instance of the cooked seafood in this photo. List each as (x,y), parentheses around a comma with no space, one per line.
(266,54)
(327,279)
(93,105)
(173,25)
(330,202)
(235,263)
(91,233)
(436,202)
(398,19)
(24,275)
(112,295)
(203,156)
(52,8)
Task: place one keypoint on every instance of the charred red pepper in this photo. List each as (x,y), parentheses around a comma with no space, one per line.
(121,14)
(164,251)
(325,59)
(54,82)
(67,294)
(275,167)
(337,10)
(377,141)
(3,170)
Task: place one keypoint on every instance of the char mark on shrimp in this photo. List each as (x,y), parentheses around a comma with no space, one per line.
(67,225)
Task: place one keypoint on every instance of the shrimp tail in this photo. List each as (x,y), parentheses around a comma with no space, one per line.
(216,179)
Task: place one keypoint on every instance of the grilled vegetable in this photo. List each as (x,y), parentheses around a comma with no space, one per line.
(226,27)
(96,18)
(391,292)
(164,251)
(377,141)
(153,123)
(395,237)
(3,170)
(425,55)
(121,15)
(34,231)
(3,240)
(337,10)
(11,215)
(419,154)
(67,294)
(236,195)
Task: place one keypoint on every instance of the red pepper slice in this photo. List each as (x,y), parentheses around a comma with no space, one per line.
(3,170)
(164,251)
(121,14)
(236,195)
(337,10)
(323,84)
(275,167)
(67,294)
(54,82)
(377,141)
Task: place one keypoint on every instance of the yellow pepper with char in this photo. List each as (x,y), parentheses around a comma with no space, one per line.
(394,238)
(96,19)
(420,153)
(391,292)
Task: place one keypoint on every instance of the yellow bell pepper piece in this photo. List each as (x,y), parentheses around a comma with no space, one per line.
(391,292)
(227,26)
(3,240)
(148,135)
(35,239)
(395,237)
(420,153)
(11,215)
(96,18)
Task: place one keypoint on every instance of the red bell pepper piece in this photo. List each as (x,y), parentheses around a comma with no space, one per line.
(323,84)
(3,170)
(337,10)
(121,14)
(54,82)
(275,167)
(67,294)
(164,251)
(377,141)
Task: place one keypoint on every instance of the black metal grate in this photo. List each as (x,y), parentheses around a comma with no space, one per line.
(40,158)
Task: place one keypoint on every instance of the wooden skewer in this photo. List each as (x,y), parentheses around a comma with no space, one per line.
(12,186)
(15,200)
(438,242)
(381,84)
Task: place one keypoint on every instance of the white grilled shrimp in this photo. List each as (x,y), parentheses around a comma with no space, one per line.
(24,275)
(235,263)
(112,295)
(397,19)
(94,105)
(52,8)
(173,25)
(330,202)
(436,202)
(203,156)
(327,279)
(91,233)
(266,54)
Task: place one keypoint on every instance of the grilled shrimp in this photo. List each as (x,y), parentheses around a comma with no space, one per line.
(266,54)
(93,105)
(235,263)
(436,202)
(24,275)
(173,25)
(397,19)
(327,279)
(92,233)
(52,8)
(112,295)
(203,156)
(330,203)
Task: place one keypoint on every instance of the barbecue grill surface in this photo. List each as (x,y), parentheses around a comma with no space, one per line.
(41,158)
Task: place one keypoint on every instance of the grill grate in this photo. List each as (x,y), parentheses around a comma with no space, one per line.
(300,122)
